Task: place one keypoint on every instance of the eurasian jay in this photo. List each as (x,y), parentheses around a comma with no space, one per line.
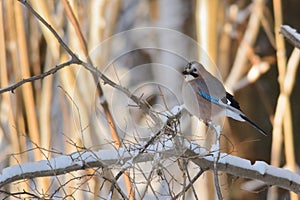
(212,97)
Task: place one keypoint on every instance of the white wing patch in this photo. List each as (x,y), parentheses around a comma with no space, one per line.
(228,102)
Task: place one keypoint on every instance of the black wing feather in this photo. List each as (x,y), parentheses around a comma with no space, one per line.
(229,97)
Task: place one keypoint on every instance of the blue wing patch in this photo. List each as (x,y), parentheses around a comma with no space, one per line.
(208,97)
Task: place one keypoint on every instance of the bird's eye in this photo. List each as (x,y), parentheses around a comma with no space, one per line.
(194,70)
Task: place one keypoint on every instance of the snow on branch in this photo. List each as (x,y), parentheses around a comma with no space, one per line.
(291,35)
(260,170)
(80,161)
(112,158)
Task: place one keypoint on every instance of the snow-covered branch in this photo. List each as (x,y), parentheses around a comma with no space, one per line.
(117,158)
(291,35)
(239,167)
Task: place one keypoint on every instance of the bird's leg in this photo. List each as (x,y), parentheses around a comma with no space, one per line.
(208,123)
(217,129)
(215,149)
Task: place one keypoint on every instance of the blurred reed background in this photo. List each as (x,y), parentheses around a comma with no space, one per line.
(40,120)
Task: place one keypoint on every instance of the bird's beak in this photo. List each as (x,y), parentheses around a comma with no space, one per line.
(186,71)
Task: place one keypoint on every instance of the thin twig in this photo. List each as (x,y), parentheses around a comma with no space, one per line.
(37,77)
(216,180)
(191,184)
(41,19)
(216,150)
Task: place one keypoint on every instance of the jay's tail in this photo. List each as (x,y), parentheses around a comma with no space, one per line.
(253,124)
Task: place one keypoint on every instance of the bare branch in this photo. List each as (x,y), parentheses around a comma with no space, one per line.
(88,66)
(59,39)
(37,77)
(190,185)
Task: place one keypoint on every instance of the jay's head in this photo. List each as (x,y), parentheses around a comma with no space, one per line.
(193,68)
